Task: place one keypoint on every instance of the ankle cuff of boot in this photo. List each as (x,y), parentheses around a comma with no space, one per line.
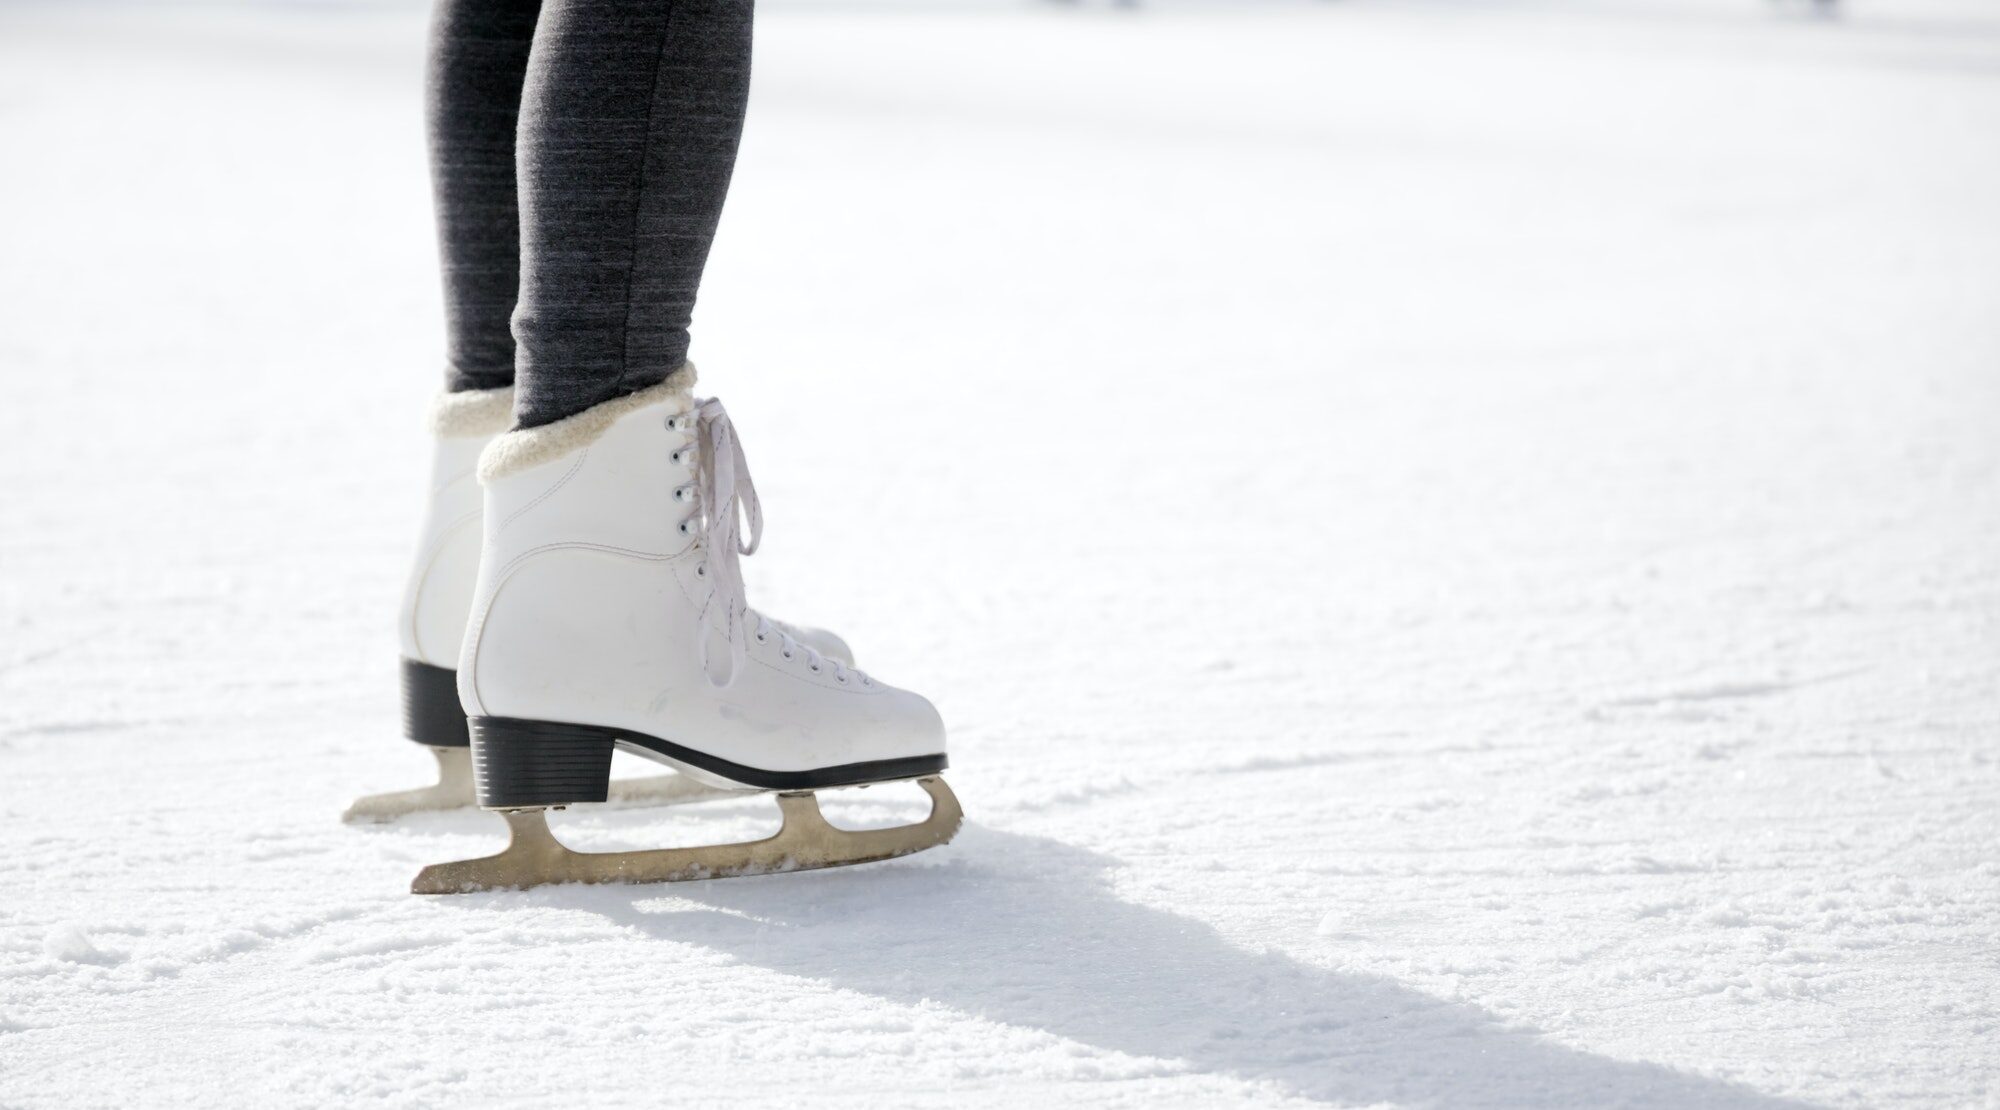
(525,448)
(472,412)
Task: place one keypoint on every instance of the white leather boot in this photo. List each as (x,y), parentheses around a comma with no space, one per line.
(438,594)
(610,613)
(431,624)
(437,597)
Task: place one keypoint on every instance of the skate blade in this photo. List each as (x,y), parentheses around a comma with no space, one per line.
(534,857)
(454,790)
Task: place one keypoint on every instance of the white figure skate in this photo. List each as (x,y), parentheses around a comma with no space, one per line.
(609,613)
(432,622)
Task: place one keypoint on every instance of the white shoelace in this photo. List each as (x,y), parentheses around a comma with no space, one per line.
(727,500)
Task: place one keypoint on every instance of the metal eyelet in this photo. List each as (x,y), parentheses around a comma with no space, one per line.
(815,668)
(684,528)
(701,570)
(760,637)
(787,654)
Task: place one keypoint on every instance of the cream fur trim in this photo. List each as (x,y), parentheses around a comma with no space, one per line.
(523,448)
(472,412)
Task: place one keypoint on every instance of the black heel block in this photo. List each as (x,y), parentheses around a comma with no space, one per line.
(528,764)
(431,714)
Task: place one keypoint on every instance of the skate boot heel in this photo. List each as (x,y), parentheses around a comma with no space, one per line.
(431,713)
(537,764)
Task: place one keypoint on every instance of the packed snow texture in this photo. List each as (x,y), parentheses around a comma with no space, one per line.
(1456,542)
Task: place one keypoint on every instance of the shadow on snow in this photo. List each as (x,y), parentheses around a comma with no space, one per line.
(1023,930)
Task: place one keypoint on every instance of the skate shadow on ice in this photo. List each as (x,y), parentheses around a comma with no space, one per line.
(1024,930)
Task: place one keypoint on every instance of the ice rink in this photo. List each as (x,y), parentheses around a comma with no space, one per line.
(1458,544)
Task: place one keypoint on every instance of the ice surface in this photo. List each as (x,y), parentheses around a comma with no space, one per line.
(1457,544)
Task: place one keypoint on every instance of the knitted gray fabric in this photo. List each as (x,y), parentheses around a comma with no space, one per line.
(586,198)
(478,60)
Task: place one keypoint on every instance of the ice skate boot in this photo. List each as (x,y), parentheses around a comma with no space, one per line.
(609,614)
(432,622)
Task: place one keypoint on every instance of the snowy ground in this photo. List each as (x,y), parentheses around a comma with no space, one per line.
(1457,544)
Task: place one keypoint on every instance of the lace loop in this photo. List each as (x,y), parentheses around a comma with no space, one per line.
(726,508)
(727,500)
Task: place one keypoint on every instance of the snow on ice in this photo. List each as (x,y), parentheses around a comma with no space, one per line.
(1457,544)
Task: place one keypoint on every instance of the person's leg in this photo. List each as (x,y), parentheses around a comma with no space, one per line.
(478,63)
(610,610)
(679,133)
(478,60)
(628,133)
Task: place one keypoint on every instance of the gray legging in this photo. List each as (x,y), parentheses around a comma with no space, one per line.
(620,120)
